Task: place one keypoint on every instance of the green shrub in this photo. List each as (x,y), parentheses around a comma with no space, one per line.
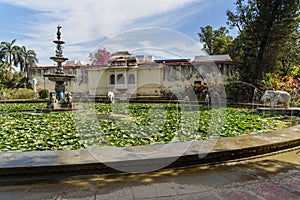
(22,93)
(3,95)
(44,94)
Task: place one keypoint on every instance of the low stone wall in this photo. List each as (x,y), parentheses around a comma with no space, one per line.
(280,111)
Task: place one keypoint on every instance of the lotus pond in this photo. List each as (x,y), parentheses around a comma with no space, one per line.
(99,125)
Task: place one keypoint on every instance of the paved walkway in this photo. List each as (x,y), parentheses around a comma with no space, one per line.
(272,177)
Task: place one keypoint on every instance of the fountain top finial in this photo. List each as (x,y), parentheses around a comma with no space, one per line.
(58,32)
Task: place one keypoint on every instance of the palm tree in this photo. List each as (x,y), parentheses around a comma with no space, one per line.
(2,54)
(9,51)
(26,59)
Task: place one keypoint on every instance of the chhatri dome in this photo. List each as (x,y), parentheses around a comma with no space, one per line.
(123,58)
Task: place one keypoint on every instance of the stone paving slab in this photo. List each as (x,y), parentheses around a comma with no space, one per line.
(112,159)
(275,176)
(164,189)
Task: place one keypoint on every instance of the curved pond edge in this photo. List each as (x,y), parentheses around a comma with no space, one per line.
(45,164)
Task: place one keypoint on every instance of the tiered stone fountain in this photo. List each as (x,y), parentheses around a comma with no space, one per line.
(60,100)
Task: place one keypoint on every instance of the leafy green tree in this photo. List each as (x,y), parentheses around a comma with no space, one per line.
(290,59)
(266,27)
(4,67)
(11,79)
(215,42)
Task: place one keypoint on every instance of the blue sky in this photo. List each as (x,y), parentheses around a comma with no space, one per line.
(91,24)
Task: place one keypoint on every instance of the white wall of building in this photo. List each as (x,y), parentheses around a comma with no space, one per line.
(150,78)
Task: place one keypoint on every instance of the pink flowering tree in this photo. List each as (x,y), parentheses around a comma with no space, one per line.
(100,57)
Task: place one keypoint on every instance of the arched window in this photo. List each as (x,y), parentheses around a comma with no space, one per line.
(112,79)
(120,79)
(131,79)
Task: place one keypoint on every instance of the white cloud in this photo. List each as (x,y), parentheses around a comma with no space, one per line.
(87,20)
(158,42)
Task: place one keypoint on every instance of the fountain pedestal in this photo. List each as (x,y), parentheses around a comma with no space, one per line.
(60,100)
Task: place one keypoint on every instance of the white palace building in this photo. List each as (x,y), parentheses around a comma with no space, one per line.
(128,76)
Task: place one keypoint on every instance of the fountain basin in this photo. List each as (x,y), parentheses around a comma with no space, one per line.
(59,59)
(58,42)
(48,110)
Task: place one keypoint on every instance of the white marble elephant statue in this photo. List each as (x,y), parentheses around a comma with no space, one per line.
(111,96)
(276,96)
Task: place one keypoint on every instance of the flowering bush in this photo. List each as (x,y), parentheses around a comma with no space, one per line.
(290,84)
(277,82)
